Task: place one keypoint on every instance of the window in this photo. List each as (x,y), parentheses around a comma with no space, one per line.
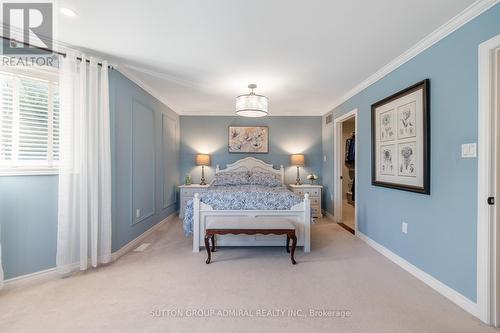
(29,123)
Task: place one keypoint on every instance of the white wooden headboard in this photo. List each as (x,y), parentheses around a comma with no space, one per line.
(253,164)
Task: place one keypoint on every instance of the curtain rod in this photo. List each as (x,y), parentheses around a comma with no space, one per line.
(49,50)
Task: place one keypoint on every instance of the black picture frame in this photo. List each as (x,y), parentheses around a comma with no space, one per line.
(426,185)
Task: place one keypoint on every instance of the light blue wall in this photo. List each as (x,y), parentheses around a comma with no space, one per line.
(145,171)
(287,135)
(441,237)
(145,159)
(28,224)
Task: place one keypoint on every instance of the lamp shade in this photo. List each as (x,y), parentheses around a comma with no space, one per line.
(251,105)
(202,159)
(297,159)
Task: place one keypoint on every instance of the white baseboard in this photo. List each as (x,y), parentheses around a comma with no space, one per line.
(51,273)
(138,240)
(329,216)
(431,281)
(30,279)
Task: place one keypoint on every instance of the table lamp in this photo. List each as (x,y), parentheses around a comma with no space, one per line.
(203,160)
(297,160)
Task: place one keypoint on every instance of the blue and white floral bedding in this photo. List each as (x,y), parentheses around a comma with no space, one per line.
(243,197)
(232,178)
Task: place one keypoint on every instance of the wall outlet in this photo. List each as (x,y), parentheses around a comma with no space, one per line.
(137,212)
(404,228)
(324,158)
(331,197)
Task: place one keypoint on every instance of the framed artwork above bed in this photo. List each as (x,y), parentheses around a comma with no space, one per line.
(401,140)
(248,139)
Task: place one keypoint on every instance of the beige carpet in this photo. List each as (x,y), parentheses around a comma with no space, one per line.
(341,273)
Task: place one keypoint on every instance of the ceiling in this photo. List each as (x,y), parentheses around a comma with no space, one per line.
(304,55)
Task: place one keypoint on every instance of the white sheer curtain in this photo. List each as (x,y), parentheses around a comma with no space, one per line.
(1,268)
(84,219)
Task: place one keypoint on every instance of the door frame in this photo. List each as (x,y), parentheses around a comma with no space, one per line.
(338,162)
(487,174)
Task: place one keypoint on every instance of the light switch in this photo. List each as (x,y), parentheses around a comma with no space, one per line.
(469,150)
(465,149)
(472,150)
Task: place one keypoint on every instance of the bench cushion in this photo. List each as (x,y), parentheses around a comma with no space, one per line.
(249,223)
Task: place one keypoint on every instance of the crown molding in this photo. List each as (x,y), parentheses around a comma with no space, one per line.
(132,77)
(468,14)
(232,114)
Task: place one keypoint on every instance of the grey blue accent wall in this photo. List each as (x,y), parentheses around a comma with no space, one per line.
(441,237)
(145,168)
(287,135)
(327,149)
(28,223)
(145,174)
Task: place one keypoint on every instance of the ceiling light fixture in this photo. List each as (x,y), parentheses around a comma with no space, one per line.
(251,105)
(68,12)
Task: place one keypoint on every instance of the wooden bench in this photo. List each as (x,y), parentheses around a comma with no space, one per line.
(250,226)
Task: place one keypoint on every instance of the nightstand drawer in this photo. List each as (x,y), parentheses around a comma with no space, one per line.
(315,201)
(315,206)
(313,192)
(189,192)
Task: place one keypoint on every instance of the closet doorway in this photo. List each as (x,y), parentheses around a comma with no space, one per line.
(345,171)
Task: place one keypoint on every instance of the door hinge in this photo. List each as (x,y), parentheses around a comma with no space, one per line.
(491,200)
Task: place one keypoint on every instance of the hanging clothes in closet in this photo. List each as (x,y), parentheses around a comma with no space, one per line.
(350,153)
(350,158)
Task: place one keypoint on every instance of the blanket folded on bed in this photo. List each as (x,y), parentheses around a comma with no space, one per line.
(243,197)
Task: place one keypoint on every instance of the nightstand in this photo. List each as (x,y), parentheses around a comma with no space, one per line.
(314,192)
(187,193)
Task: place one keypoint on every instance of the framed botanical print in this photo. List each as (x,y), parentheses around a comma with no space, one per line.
(401,140)
(248,139)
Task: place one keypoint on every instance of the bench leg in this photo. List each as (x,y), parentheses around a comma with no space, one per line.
(213,243)
(287,243)
(294,244)
(207,247)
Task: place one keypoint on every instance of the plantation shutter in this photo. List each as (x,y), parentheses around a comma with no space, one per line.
(55,125)
(29,122)
(6,119)
(33,121)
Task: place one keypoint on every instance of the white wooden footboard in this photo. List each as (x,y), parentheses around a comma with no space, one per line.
(300,214)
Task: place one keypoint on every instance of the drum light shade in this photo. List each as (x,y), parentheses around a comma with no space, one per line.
(203,159)
(252,105)
(297,160)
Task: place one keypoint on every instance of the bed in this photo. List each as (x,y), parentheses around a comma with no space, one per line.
(259,201)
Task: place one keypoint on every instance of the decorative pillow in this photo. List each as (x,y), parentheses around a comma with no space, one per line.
(231,178)
(265,179)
